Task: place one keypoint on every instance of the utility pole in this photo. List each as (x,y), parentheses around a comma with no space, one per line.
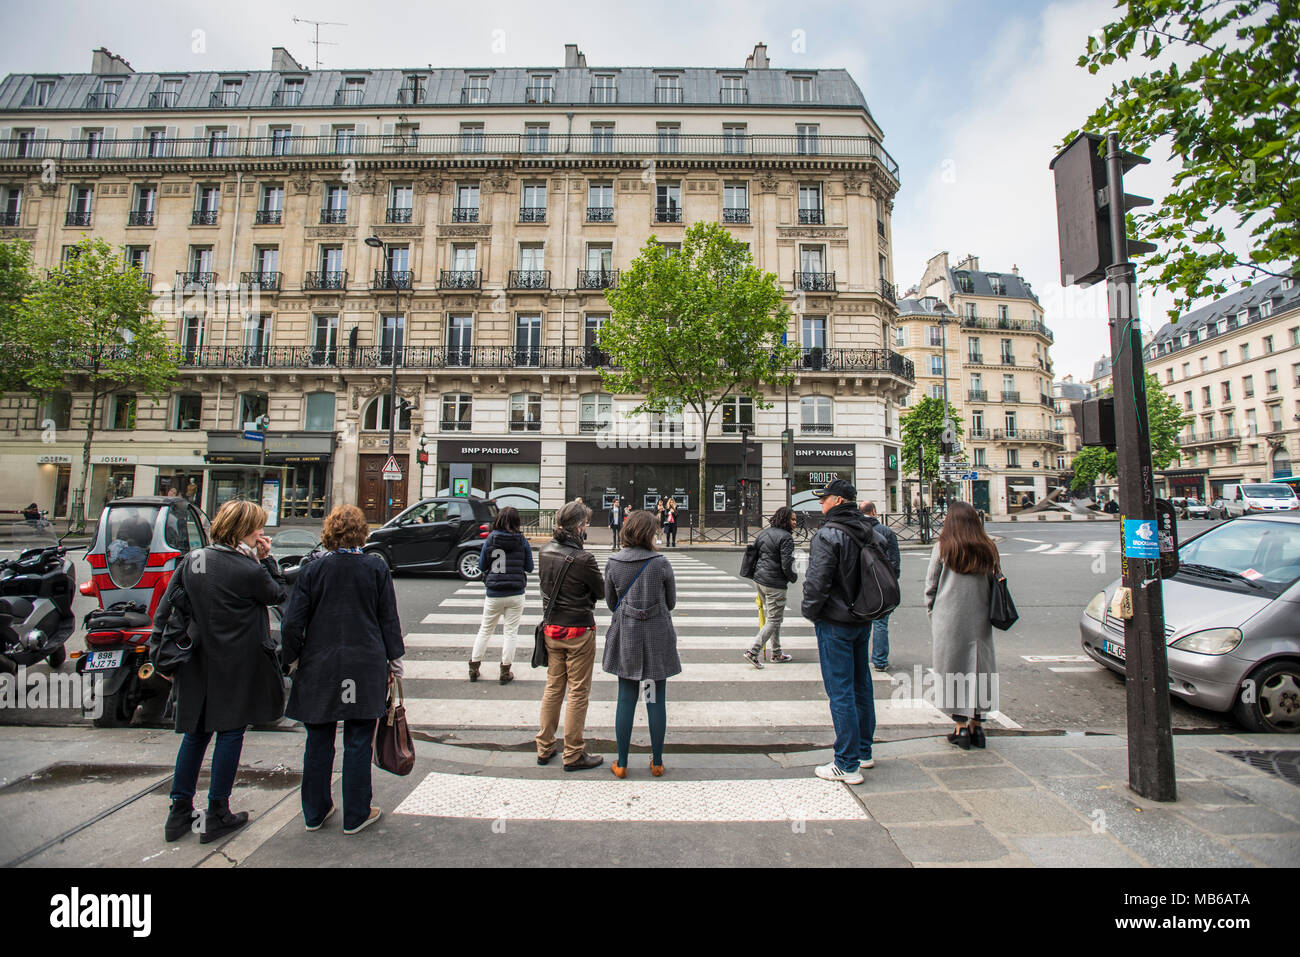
(1091,206)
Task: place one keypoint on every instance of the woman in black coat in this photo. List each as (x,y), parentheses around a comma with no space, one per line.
(233,677)
(341,628)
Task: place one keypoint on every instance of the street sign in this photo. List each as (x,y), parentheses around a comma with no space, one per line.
(254,436)
(392,471)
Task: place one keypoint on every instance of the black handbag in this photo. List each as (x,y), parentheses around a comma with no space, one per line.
(173,646)
(1002,610)
(540,658)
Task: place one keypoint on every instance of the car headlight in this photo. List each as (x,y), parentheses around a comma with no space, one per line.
(1213,641)
(1096,609)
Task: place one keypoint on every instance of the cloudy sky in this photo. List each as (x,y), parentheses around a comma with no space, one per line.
(973,96)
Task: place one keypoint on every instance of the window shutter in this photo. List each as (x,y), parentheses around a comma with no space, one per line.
(7,148)
(74,133)
(173,132)
(388,131)
(198,132)
(42,133)
(361,129)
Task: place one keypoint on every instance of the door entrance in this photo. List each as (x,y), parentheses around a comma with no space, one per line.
(979,494)
(372,489)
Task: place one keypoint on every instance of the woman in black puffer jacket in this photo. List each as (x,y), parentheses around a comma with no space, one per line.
(506,560)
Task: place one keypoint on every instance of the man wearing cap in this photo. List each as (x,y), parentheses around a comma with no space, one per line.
(829,590)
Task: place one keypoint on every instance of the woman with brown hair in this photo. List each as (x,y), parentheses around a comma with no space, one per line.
(342,629)
(957,588)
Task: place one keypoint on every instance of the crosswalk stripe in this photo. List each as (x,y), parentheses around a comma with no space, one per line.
(529,605)
(736,643)
(739,591)
(418,670)
(603,620)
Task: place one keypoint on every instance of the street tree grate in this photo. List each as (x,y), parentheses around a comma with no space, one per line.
(1282,764)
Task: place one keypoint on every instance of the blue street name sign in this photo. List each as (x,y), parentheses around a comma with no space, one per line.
(254,436)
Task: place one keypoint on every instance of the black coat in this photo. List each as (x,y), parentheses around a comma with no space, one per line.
(890,539)
(832,581)
(583,586)
(775,565)
(518,554)
(341,625)
(233,678)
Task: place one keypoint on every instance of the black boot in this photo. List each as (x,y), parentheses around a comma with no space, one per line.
(221,822)
(179,820)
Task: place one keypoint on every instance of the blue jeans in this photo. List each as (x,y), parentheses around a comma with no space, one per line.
(225,762)
(880,641)
(318,767)
(843,653)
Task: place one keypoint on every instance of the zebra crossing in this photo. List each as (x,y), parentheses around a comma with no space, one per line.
(716,619)
(1089,548)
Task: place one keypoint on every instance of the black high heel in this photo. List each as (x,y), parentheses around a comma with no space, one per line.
(977,737)
(961,739)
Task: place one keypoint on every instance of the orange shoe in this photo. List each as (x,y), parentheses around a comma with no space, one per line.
(618,772)
(656,769)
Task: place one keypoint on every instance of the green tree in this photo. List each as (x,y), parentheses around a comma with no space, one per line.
(693,328)
(925,424)
(15,286)
(1222,91)
(1165,423)
(91,322)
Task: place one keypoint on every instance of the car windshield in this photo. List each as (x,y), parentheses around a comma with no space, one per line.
(1265,553)
(294,536)
(128,536)
(1267,491)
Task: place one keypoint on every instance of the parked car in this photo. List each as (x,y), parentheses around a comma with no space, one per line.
(1253,497)
(443,534)
(293,544)
(1230,622)
(1190,508)
(1218,509)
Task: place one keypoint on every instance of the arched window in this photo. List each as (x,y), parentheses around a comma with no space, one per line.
(377,417)
(1281,464)
(815,414)
(526,412)
(457,412)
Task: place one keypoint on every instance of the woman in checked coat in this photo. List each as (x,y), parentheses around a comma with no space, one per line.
(641,644)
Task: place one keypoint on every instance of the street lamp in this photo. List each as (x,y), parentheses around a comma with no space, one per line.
(374,242)
(949,433)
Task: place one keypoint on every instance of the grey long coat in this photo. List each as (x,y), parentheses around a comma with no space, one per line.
(965,666)
(641,643)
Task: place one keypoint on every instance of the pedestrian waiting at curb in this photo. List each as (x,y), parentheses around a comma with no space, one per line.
(670,524)
(571,585)
(342,632)
(615,521)
(880,627)
(958,584)
(232,678)
(773,574)
(505,560)
(641,644)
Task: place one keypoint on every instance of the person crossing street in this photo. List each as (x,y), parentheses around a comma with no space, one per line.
(880,627)
(773,574)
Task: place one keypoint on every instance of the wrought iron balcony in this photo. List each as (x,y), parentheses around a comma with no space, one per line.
(668,214)
(592,357)
(164,99)
(1035,436)
(10,219)
(855,360)
(392,279)
(668,94)
(880,228)
(730,94)
(593,425)
(140,217)
(326,279)
(888,290)
(1007,325)
(977,395)
(812,217)
(455,425)
(218,99)
(597,278)
(75,218)
(735,214)
(411,95)
(532,214)
(287,97)
(1223,436)
(261,279)
(460,279)
(1010,396)
(100,101)
(816,428)
(815,281)
(349,96)
(600,214)
(475,94)
(398,214)
(979,435)
(464,214)
(529,279)
(268,217)
(204,217)
(335,216)
(195,278)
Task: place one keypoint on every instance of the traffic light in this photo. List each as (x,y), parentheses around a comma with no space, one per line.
(1083,210)
(1094,419)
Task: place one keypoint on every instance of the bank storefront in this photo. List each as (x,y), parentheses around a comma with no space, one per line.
(507,471)
(1187,483)
(293,485)
(816,465)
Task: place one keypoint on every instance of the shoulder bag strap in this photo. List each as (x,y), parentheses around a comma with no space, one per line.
(632,582)
(559,582)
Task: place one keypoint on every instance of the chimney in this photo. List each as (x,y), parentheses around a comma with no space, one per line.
(970,262)
(758,59)
(574,58)
(282,61)
(1015,270)
(103,62)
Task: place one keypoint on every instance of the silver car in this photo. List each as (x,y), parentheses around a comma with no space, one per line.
(1232,622)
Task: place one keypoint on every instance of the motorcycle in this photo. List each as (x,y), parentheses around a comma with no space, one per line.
(116,644)
(37,589)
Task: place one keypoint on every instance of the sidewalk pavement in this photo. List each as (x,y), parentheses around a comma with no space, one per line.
(1028,800)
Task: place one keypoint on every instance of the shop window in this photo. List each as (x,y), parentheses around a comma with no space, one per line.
(252,406)
(57,409)
(377,415)
(121,411)
(526,412)
(457,412)
(320,412)
(738,414)
(517,485)
(188,412)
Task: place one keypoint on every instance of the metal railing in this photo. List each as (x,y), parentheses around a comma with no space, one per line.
(735,214)
(349,96)
(261,280)
(1007,325)
(397,214)
(1206,438)
(812,217)
(392,279)
(223,98)
(74,218)
(1029,435)
(597,278)
(668,214)
(888,290)
(204,217)
(140,217)
(335,216)
(455,425)
(268,217)
(977,395)
(815,281)
(532,214)
(286,97)
(411,95)
(1010,396)
(600,214)
(163,99)
(464,214)
(195,278)
(529,279)
(326,279)
(460,279)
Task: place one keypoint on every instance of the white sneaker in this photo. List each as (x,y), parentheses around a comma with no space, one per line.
(374,816)
(833,772)
(867,764)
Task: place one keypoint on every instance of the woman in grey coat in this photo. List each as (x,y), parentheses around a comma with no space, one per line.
(957,587)
(641,644)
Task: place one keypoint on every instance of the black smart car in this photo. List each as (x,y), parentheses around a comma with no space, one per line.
(442,534)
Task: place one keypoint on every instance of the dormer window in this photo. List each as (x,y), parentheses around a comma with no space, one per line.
(476,89)
(804,91)
(733,90)
(352,92)
(603,88)
(998,286)
(540,89)
(668,88)
(413,89)
(228,94)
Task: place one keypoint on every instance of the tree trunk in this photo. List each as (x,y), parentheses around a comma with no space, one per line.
(703,458)
(85,459)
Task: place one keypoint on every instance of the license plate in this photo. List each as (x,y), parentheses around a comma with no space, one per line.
(1113,649)
(103,660)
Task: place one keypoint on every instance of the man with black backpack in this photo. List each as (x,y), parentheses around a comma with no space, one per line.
(849,583)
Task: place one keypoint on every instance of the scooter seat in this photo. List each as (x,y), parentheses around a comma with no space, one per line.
(16,608)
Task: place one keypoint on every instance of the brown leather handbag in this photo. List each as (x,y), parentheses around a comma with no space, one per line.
(393,747)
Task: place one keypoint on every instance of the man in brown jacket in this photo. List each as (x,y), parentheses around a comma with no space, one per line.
(568,603)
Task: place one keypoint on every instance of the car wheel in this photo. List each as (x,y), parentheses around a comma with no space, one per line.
(467,566)
(384,555)
(1275,704)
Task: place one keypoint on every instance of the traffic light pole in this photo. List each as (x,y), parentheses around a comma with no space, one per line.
(1150,739)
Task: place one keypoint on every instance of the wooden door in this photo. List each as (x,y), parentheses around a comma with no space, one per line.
(372,489)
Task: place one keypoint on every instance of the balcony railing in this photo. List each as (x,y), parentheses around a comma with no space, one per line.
(977,395)
(268,217)
(326,279)
(455,425)
(1007,325)
(816,428)
(597,278)
(732,94)
(539,94)
(101,101)
(261,279)
(668,214)
(888,290)
(604,94)
(460,279)
(979,435)
(735,214)
(529,279)
(1210,438)
(464,214)
(668,94)
(286,97)
(74,218)
(397,214)
(1029,435)
(1010,396)
(410,95)
(392,279)
(140,217)
(223,98)
(204,217)
(10,219)
(195,278)
(335,216)
(812,217)
(600,214)
(475,94)
(164,99)
(532,214)
(451,144)
(815,281)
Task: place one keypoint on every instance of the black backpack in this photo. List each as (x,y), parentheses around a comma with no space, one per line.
(878,593)
(749,561)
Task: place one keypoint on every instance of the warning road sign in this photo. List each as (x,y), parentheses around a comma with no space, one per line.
(392,471)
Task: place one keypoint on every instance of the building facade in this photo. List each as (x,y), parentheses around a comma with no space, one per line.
(987,328)
(501,203)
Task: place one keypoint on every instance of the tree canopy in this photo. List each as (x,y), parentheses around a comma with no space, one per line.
(925,424)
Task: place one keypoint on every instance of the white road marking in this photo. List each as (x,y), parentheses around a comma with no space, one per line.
(1003,720)
(741,671)
(602,621)
(707,642)
(1038,659)
(1077,669)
